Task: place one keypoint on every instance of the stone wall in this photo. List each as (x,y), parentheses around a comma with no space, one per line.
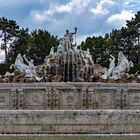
(60,96)
(69,108)
(72,121)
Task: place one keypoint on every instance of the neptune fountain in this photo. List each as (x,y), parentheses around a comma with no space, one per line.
(69,93)
(69,64)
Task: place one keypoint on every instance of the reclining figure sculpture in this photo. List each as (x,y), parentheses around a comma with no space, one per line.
(28,70)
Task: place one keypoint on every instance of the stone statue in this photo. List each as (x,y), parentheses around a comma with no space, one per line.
(69,64)
(19,64)
(31,68)
(123,65)
(108,72)
(68,38)
(52,53)
(60,48)
(88,56)
(47,61)
(7,74)
(28,70)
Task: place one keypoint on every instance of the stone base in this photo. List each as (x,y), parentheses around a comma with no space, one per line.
(69,96)
(74,121)
(69,107)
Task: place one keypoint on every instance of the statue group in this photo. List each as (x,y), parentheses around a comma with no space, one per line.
(122,67)
(69,64)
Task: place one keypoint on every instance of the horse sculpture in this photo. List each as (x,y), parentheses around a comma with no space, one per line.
(123,65)
(29,69)
(19,64)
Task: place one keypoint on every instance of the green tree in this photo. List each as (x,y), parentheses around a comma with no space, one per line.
(20,45)
(41,43)
(98,48)
(133,28)
(9,31)
(36,45)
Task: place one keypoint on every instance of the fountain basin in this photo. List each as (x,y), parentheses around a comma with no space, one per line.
(72,121)
(91,108)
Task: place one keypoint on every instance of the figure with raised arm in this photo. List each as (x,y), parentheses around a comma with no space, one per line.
(31,68)
(68,38)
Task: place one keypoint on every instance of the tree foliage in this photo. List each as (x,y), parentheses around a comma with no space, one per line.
(126,39)
(20,45)
(9,31)
(41,43)
(36,45)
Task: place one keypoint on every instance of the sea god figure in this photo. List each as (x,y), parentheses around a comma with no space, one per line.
(68,38)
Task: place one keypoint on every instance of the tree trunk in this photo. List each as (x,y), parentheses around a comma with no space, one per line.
(5,46)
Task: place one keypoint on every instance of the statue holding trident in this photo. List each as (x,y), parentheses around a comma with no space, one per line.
(68,38)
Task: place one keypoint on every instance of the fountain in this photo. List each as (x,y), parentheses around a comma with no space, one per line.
(68,93)
(67,64)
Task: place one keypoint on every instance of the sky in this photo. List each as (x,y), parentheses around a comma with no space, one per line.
(91,17)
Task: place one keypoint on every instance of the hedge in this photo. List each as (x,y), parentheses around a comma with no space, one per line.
(4,68)
(135,69)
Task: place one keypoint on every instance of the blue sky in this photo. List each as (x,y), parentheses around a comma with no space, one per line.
(91,17)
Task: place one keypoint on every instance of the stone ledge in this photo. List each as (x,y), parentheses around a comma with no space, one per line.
(72,121)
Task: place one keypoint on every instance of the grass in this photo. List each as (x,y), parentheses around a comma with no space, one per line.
(69,138)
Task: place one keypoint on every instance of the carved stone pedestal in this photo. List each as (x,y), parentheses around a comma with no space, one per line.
(69,108)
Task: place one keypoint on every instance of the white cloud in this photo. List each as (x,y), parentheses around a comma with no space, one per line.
(102,7)
(83,37)
(131,3)
(119,20)
(72,7)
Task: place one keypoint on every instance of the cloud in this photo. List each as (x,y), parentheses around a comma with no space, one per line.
(81,38)
(118,20)
(92,17)
(102,7)
(72,7)
(132,4)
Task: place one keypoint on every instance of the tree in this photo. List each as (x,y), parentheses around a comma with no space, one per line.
(41,43)
(36,45)
(126,39)
(20,45)
(9,30)
(133,29)
(98,48)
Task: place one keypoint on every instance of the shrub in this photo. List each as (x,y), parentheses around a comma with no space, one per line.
(4,68)
(135,69)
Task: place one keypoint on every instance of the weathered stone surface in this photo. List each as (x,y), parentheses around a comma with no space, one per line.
(74,121)
(60,96)
(69,108)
